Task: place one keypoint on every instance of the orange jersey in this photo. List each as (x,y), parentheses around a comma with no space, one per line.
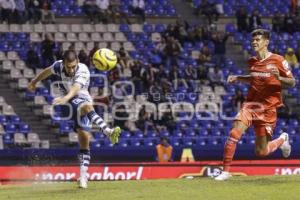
(265,89)
(164,154)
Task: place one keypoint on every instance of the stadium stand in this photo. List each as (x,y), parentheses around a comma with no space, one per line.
(265,8)
(145,45)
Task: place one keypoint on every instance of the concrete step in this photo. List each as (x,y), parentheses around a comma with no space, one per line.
(37,124)
(25,112)
(226,20)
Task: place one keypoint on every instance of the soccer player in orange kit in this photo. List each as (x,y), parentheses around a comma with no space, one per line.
(268,72)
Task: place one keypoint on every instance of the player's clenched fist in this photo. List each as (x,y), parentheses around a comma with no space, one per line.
(275,72)
(231,79)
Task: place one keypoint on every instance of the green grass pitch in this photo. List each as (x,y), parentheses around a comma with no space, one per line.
(237,188)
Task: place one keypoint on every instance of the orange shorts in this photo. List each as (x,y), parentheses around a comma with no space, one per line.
(263,121)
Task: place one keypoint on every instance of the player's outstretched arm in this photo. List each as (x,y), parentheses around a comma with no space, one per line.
(41,76)
(235,78)
(72,92)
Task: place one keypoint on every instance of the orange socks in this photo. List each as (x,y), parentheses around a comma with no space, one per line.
(230,147)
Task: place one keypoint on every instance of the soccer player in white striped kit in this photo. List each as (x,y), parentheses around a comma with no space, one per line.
(75,79)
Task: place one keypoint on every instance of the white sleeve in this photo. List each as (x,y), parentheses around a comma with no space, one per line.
(82,78)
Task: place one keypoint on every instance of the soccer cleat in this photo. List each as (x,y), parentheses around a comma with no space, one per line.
(114,136)
(223,176)
(285,147)
(82,182)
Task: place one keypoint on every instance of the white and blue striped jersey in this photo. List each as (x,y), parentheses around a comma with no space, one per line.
(82,76)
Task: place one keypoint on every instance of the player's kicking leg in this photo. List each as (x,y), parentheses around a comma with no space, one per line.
(83,157)
(264,147)
(229,149)
(112,133)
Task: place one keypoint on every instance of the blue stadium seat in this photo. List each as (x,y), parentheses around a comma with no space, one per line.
(24,128)
(291,131)
(9,36)
(230,28)
(175,141)
(171,11)
(8,139)
(125,134)
(149,142)
(134,54)
(97,144)
(143,37)
(139,134)
(131,37)
(151,134)
(124,28)
(136,142)
(15,119)
(293,123)
(221,125)
(160,28)
(148,28)
(164,133)
(148,11)
(22,36)
(4,46)
(190,133)
(10,128)
(98,135)
(216,132)
(188,141)
(281,122)
(123,143)
(65,11)
(78,11)
(65,128)
(107,143)
(177,133)
(42,91)
(17,46)
(203,132)
(215,141)
(200,141)
(158,11)
(3,120)
(208,125)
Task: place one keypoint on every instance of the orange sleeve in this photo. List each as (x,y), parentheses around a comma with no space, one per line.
(164,154)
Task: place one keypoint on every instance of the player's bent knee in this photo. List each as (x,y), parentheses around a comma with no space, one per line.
(86,108)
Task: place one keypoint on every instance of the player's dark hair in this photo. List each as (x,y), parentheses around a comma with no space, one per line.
(163,138)
(70,56)
(265,33)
